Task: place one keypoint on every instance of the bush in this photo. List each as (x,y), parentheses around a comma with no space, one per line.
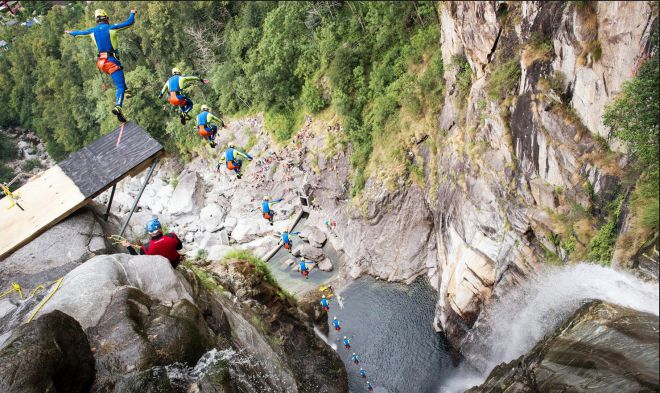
(29,165)
(463,78)
(8,149)
(601,246)
(6,174)
(503,80)
(259,264)
(312,97)
(281,124)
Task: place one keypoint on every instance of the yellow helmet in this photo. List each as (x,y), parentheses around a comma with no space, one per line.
(99,13)
(266,198)
(204,108)
(176,71)
(230,144)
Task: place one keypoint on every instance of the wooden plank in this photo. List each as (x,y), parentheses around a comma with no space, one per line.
(95,167)
(47,199)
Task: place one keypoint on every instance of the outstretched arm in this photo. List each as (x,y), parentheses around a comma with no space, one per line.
(162,91)
(213,119)
(125,24)
(244,155)
(275,201)
(75,33)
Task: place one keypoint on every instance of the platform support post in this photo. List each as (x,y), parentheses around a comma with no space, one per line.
(137,198)
(112,195)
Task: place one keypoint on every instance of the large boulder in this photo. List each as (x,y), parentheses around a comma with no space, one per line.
(187,196)
(55,252)
(308,251)
(87,291)
(138,313)
(51,354)
(314,236)
(211,217)
(602,348)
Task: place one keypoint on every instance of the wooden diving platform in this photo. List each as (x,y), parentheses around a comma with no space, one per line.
(56,193)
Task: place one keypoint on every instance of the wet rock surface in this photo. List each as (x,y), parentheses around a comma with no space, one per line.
(603,347)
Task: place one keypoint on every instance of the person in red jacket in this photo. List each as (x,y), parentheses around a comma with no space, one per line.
(159,244)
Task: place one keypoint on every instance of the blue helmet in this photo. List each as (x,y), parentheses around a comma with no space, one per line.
(153,226)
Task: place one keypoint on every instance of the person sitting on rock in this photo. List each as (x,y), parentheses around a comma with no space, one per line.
(207,125)
(267,208)
(165,245)
(285,239)
(336,324)
(363,373)
(324,304)
(231,160)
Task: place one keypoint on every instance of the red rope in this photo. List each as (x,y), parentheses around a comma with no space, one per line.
(121,131)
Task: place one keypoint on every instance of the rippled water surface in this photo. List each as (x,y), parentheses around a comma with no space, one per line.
(391,326)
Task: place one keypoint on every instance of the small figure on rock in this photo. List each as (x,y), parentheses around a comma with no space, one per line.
(176,85)
(324,304)
(369,387)
(267,208)
(285,240)
(105,37)
(336,324)
(363,373)
(206,127)
(355,358)
(165,245)
(232,161)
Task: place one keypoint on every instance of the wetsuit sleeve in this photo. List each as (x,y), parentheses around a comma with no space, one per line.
(127,23)
(213,119)
(164,89)
(240,153)
(184,79)
(131,250)
(82,32)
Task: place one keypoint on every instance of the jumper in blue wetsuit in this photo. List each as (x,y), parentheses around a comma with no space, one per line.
(355,358)
(175,85)
(347,343)
(266,208)
(363,373)
(336,324)
(369,387)
(285,239)
(207,124)
(324,303)
(232,161)
(304,270)
(105,38)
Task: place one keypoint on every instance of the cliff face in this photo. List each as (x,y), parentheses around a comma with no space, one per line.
(519,154)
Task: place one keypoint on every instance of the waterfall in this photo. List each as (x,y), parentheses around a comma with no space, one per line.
(524,315)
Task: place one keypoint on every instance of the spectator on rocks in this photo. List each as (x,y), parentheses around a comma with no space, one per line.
(165,245)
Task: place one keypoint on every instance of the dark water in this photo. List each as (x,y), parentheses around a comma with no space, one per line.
(391,325)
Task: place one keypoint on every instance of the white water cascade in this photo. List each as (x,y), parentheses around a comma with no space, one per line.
(523,316)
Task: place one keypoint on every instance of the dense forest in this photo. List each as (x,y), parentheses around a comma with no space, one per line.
(376,64)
